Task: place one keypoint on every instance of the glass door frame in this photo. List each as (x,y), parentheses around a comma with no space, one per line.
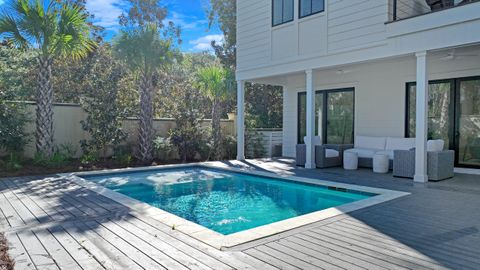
(457,116)
(454,114)
(324,93)
(451,109)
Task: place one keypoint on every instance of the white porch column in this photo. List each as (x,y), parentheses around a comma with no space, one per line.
(240,120)
(421,119)
(310,161)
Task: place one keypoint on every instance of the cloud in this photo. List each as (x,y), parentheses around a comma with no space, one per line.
(204,43)
(186,22)
(106,12)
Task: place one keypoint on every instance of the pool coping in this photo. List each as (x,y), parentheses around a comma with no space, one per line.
(221,241)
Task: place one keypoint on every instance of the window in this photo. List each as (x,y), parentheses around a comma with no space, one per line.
(282,11)
(334,116)
(310,7)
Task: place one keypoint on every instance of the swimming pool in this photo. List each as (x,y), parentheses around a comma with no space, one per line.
(224,201)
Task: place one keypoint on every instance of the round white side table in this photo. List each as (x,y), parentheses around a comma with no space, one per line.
(350,161)
(380,163)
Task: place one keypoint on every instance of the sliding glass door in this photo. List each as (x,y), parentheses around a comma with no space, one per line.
(453,116)
(334,115)
(440,111)
(468,122)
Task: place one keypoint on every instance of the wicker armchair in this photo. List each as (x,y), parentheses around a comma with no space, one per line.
(440,164)
(322,160)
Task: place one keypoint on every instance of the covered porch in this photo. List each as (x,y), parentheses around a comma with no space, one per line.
(425,95)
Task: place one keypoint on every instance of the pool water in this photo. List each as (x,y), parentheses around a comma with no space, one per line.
(224,201)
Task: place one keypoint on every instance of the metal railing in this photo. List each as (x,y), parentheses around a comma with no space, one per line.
(402,9)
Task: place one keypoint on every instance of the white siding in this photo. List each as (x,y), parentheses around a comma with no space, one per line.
(379,93)
(355,23)
(344,25)
(253,32)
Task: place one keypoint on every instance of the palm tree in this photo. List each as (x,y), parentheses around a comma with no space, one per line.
(54,30)
(145,52)
(213,82)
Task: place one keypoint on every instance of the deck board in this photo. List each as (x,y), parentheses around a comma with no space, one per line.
(53,223)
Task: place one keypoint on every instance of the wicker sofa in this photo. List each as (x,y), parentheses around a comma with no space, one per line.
(367,146)
(327,155)
(440,163)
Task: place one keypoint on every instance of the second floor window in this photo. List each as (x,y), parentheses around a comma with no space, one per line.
(310,7)
(282,11)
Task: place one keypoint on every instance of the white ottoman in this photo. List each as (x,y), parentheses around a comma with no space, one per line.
(380,163)
(350,161)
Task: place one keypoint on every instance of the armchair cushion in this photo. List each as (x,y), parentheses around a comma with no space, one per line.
(435,145)
(330,153)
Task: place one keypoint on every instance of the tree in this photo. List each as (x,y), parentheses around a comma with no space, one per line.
(146,45)
(105,115)
(213,82)
(264,105)
(224,14)
(55,30)
(12,121)
(184,103)
(17,73)
(144,52)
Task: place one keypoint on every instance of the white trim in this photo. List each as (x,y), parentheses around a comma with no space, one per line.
(241,120)
(310,134)
(421,129)
(467,171)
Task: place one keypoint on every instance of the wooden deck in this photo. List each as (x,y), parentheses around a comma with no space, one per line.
(52,223)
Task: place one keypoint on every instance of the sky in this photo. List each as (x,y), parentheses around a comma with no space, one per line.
(188,14)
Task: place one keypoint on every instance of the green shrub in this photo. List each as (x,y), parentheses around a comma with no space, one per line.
(89,158)
(63,155)
(13,162)
(229,147)
(123,155)
(163,148)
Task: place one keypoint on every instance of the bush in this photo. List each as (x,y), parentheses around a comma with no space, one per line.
(13,162)
(12,122)
(63,155)
(163,148)
(229,147)
(123,154)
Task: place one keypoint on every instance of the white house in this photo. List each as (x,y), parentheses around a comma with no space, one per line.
(387,67)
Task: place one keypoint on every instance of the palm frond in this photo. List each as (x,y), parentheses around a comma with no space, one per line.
(143,49)
(73,33)
(9,28)
(212,81)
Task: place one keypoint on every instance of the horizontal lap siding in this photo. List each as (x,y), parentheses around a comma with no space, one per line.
(357,23)
(253,32)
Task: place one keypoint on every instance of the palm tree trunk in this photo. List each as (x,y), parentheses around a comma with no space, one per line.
(216,129)
(145,132)
(44,120)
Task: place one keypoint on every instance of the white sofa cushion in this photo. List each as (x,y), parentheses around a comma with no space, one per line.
(389,153)
(331,153)
(435,145)
(367,142)
(363,152)
(400,143)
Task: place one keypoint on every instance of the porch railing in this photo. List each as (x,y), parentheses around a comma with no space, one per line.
(403,9)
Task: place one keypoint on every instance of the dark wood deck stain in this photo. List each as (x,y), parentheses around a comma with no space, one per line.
(52,223)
